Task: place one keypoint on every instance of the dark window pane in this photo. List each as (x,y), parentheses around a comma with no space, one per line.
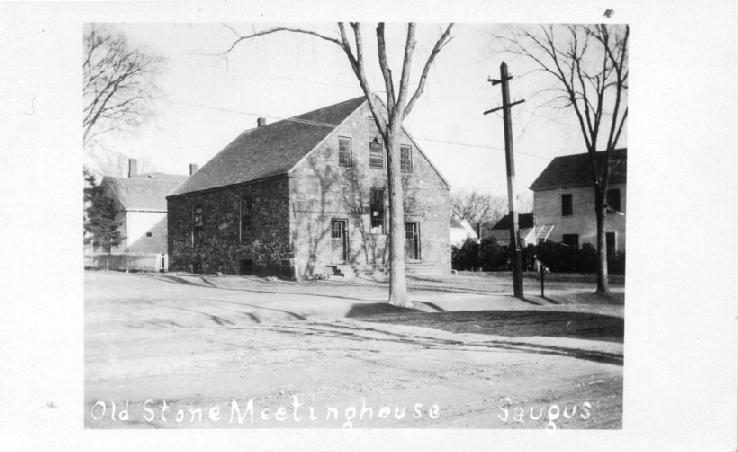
(246,216)
(406,159)
(613,199)
(197,225)
(567,207)
(344,152)
(571,240)
(376,210)
(337,229)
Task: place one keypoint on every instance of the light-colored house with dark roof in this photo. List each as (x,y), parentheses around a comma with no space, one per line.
(305,196)
(142,200)
(500,230)
(563,200)
(460,231)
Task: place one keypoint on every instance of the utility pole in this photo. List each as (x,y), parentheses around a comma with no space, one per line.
(517,266)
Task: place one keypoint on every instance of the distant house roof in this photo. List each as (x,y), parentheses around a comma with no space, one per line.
(456,223)
(525,221)
(269,150)
(576,170)
(146,191)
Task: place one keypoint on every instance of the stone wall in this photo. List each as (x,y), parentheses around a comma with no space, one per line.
(321,190)
(547,210)
(222,248)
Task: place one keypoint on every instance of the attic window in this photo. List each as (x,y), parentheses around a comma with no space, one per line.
(344,151)
(148,234)
(373,129)
(406,159)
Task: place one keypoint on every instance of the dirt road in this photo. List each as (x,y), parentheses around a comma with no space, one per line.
(191,351)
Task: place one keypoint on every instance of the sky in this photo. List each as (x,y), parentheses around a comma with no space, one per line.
(209,99)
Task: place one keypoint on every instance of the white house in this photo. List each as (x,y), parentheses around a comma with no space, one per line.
(563,200)
(142,199)
(460,231)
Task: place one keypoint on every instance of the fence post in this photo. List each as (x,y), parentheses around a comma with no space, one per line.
(543,273)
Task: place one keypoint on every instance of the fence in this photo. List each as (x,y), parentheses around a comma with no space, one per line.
(139,262)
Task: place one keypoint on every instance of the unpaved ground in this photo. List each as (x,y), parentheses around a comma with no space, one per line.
(331,354)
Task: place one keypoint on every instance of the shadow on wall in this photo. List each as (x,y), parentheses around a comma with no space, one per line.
(340,190)
(157,243)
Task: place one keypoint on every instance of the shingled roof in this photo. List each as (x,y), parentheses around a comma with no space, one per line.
(576,171)
(145,191)
(269,150)
(525,221)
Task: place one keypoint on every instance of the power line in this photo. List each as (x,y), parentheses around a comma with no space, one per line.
(323,124)
(469,100)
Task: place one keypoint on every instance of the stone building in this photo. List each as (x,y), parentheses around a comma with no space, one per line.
(142,201)
(563,200)
(307,195)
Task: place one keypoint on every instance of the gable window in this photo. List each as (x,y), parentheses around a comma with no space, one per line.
(373,129)
(344,151)
(571,240)
(406,159)
(567,206)
(149,234)
(198,223)
(376,154)
(613,200)
(246,216)
(376,210)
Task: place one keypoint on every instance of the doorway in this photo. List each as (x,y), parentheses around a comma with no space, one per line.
(412,241)
(339,241)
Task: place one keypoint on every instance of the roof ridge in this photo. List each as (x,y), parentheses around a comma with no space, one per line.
(270,150)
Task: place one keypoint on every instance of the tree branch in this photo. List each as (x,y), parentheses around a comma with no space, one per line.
(383,66)
(444,39)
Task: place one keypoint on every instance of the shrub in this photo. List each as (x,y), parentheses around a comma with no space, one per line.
(466,257)
(616,263)
(493,256)
(560,258)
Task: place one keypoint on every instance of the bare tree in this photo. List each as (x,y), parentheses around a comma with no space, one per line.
(119,83)
(589,64)
(388,115)
(476,207)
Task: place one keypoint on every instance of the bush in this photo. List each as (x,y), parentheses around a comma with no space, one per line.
(616,264)
(493,256)
(466,257)
(560,258)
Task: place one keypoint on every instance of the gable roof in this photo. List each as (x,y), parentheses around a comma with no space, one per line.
(576,171)
(145,191)
(525,221)
(270,150)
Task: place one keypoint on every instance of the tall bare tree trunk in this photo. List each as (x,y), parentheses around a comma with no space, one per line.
(603,285)
(398,288)
(399,104)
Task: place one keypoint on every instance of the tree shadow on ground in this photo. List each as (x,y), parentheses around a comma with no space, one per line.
(179,280)
(364,334)
(516,323)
